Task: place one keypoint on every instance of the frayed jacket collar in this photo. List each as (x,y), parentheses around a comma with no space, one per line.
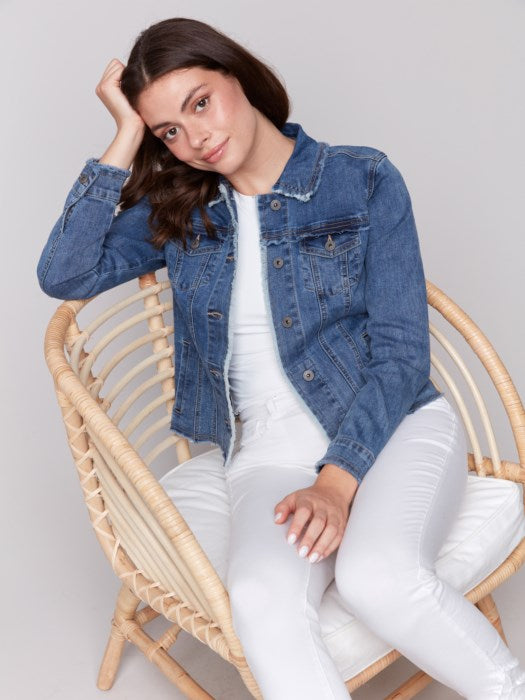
(302,172)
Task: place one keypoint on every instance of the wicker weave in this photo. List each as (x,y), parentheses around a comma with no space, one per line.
(147,541)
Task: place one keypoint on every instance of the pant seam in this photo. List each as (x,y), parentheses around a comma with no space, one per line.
(437,490)
(481,652)
(310,635)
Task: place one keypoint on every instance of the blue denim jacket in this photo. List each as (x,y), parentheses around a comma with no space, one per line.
(343,281)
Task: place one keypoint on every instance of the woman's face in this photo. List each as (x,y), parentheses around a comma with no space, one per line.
(194,110)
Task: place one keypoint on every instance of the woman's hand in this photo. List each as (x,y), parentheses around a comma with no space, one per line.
(325,506)
(108,90)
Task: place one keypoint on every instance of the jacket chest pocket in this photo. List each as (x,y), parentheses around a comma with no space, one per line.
(194,267)
(330,259)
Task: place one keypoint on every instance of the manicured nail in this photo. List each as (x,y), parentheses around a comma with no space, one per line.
(292,538)
(314,557)
(278,515)
(303,550)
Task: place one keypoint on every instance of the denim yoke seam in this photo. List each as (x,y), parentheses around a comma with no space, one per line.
(481,653)
(310,635)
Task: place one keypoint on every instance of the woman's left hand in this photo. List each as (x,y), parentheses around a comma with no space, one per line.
(326,506)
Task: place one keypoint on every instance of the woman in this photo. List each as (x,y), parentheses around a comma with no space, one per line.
(300,306)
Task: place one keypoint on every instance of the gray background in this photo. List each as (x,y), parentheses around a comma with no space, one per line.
(436,85)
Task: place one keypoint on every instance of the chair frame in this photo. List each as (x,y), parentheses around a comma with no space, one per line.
(174,578)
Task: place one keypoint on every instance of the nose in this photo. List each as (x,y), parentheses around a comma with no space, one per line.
(198,138)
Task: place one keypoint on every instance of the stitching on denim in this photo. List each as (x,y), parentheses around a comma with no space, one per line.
(372,175)
(337,150)
(294,390)
(362,450)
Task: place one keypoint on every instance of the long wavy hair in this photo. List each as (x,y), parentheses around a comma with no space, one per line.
(173,187)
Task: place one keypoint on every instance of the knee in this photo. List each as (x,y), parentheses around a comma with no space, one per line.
(374,584)
(248,594)
(358,582)
(255,598)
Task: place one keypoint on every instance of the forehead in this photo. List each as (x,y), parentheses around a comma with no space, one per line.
(171,89)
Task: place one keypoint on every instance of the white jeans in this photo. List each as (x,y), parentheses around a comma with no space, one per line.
(383,567)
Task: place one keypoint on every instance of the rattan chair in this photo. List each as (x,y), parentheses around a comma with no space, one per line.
(114,380)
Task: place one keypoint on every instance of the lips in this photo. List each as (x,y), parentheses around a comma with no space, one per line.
(214,151)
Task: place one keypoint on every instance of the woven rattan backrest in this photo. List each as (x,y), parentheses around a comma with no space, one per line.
(114,380)
(453,372)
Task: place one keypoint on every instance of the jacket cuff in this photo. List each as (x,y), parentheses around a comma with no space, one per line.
(102,180)
(349,455)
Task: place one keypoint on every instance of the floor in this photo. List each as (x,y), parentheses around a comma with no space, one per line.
(71,634)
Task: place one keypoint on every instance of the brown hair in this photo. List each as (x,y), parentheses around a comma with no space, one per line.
(174,188)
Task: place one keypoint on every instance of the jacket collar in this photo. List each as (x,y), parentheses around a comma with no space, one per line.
(302,172)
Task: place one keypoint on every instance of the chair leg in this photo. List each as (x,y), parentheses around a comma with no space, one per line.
(125,609)
(489,609)
(411,687)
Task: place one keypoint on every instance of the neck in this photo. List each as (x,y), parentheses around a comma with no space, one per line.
(270,152)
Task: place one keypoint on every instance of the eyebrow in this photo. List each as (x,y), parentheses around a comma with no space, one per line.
(183,105)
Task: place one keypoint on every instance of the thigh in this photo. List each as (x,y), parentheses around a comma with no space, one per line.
(407,502)
(259,554)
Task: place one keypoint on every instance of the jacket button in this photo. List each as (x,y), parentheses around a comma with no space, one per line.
(216,372)
(83,178)
(287,321)
(329,245)
(195,243)
(308,374)
(215,314)
(278,262)
(275,204)
(229,258)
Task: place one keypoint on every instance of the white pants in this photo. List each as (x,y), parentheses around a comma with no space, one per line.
(384,566)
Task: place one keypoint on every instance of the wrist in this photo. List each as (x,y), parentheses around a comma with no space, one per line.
(334,476)
(123,149)
(131,127)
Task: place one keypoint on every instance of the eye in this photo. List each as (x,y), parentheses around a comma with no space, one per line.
(203,99)
(165,137)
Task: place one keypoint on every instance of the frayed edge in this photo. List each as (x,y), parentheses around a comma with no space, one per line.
(316,177)
(224,190)
(301,197)
(229,350)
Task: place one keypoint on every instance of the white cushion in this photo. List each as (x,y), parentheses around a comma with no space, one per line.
(491,523)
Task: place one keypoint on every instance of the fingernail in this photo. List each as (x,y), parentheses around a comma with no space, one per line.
(314,557)
(292,538)
(303,550)
(278,515)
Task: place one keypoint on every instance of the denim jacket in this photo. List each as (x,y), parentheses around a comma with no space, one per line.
(343,282)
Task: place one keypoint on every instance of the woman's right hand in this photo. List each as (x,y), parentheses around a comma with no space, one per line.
(108,90)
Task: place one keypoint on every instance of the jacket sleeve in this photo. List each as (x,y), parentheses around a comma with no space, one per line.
(90,248)
(397,325)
